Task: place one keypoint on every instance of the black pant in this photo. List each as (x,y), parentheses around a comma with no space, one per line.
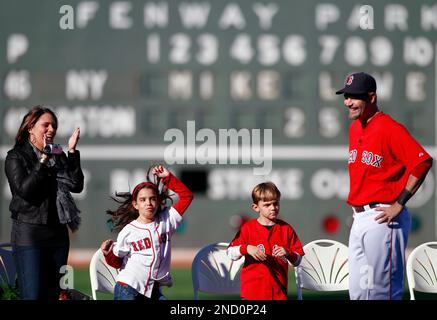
(38,270)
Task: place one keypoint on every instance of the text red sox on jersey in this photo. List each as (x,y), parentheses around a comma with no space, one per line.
(367,157)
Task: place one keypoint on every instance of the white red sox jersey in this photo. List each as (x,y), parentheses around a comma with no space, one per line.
(142,252)
(146,252)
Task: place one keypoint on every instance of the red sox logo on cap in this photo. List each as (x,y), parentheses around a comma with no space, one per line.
(349,80)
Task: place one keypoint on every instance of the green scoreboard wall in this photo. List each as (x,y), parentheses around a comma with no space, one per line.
(225,93)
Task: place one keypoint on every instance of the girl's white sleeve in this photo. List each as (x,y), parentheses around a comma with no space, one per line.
(174,219)
(122,246)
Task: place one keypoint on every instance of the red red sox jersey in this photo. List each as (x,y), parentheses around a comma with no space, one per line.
(381,157)
(145,248)
(264,280)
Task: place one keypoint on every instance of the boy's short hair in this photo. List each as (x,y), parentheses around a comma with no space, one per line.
(265,191)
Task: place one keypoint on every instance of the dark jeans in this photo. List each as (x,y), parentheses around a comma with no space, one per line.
(38,270)
(125,292)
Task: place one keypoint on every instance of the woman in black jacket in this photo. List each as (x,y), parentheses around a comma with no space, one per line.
(41,177)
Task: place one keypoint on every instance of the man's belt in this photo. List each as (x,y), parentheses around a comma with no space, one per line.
(366,207)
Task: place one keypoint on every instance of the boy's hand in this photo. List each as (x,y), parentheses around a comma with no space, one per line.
(106,246)
(256,253)
(279,251)
(160,171)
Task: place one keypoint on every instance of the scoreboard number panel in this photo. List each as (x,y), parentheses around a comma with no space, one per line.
(131,73)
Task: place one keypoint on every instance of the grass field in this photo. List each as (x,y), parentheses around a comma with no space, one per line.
(183,290)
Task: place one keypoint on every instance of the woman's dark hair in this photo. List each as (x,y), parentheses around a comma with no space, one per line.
(29,121)
(125,213)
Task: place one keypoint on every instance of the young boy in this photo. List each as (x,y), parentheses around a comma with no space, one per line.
(269,246)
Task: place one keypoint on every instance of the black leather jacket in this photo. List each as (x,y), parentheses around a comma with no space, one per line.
(34,185)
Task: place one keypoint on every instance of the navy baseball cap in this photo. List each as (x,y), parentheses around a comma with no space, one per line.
(358,83)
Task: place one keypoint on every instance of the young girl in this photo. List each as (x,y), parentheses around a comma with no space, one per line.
(142,251)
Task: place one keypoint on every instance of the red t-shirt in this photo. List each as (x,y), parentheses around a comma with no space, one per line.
(266,280)
(381,157)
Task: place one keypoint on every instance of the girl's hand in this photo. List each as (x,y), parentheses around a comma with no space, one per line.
(72,142)
(160,172)
(106,246)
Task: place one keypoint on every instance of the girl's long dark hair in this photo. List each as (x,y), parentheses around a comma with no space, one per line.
(125,213)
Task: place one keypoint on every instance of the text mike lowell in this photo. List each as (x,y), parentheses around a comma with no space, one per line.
(224,146)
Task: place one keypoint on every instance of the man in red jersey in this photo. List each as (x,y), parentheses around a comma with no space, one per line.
(269,245)
(386,167)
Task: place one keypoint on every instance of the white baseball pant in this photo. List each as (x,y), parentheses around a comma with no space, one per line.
(377,256)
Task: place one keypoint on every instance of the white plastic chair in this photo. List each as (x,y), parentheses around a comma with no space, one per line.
(324,267)
(213,272)
(422,269)
(8,272)
(103,276)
